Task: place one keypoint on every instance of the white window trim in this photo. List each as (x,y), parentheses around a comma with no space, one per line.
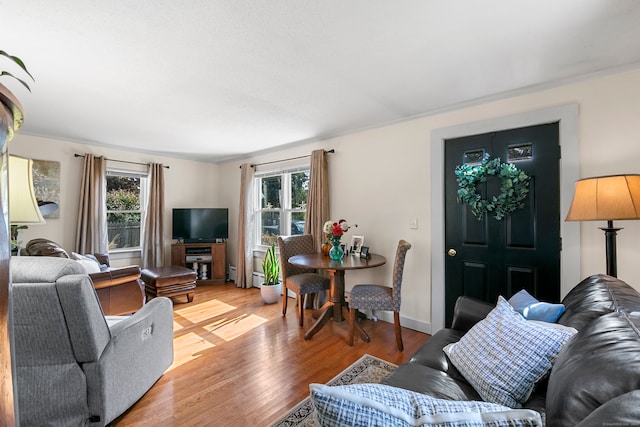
(137,250)
(285,200)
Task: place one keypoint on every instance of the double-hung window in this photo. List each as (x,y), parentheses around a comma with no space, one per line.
(281,203)
(126,195)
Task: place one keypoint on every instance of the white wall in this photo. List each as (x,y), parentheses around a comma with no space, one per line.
(187,184)
(380,178)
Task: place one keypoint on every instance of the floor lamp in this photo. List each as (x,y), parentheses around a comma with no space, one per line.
(607,198)
(23,206)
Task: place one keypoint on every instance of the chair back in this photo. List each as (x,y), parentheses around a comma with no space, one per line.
(398,268)
(294,245)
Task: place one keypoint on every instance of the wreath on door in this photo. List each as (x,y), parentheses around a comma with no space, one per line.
(513,191)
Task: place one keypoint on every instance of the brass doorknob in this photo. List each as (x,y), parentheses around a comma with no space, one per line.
(452,252)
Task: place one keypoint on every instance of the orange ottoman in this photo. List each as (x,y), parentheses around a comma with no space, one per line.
(169,281)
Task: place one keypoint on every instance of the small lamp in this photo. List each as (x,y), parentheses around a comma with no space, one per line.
(23,206)
(607,198)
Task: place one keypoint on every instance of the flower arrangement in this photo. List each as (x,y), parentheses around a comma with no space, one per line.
(334,230)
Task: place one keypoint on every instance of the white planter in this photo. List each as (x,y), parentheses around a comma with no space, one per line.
(271,294)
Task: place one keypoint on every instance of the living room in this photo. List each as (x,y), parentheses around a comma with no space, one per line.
(385,177)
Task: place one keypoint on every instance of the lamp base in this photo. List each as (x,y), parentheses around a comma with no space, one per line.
(610,233)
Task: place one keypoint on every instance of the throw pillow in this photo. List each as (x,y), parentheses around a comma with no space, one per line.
(382,405)
(88,259)
(532,309)
(504,355)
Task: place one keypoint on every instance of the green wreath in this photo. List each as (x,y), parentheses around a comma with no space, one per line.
(513,192)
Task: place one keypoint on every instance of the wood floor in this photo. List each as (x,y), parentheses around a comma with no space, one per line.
(238,362)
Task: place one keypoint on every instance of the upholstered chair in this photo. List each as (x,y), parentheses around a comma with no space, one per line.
(378,297)
(300,280)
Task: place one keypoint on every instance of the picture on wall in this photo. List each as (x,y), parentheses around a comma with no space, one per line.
(46,184)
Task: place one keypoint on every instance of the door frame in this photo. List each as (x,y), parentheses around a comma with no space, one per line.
(570,268)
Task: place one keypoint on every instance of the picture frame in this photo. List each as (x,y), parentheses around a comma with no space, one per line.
(364,252)
(356,243)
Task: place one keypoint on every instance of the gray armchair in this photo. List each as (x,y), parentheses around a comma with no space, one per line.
(73,369)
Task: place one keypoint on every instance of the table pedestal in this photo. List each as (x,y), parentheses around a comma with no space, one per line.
(334,307)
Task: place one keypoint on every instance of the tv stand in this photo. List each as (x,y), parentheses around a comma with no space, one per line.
(210,260)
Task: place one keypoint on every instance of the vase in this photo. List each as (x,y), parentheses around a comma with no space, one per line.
(336,251)
(325,248)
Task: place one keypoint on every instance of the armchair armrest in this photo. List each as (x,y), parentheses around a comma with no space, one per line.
(115,276)
(139,352)
(120,290)
(468,311)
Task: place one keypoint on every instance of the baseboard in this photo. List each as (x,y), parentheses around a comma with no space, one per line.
(416,325)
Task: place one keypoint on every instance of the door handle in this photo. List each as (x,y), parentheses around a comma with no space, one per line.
(452,252)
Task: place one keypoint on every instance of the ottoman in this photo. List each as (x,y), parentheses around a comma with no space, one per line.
(169,281)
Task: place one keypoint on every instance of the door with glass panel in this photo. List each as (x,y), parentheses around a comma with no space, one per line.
(491,257)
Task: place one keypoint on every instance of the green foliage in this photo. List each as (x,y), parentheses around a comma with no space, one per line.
(271,267)
(123,200)
(19,62)
(513,192)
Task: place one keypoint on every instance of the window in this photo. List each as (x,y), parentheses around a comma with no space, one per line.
(281,204)
(125,209)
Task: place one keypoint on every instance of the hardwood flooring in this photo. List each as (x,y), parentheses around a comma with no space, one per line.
(239,362)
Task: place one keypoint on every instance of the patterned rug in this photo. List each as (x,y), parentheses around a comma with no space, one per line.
(367,369)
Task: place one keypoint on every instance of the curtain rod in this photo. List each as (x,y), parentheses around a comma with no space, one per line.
(290,158)
(122,161)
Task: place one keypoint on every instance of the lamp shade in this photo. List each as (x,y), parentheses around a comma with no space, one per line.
(614,197)
(23,206)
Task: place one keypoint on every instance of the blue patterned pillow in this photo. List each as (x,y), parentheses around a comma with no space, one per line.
(382,405)
(504,355)
(532,309)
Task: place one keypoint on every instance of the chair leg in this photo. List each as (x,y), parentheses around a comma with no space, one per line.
(352,324)
(396,321)
(301,310)
(284,301)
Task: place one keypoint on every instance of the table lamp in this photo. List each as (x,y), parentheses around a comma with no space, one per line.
(23,207)
(607,198)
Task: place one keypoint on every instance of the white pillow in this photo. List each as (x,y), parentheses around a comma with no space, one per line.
(90,265)
(504,355)
(383,405)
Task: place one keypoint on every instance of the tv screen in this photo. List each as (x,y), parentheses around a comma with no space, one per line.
(200,224)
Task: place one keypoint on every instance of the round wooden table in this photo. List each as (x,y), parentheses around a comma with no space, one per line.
(336,268)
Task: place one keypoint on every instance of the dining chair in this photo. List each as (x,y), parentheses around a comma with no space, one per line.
(302,281)
(379,297)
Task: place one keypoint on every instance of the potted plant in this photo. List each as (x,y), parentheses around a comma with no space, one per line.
(270,289)
(10,107)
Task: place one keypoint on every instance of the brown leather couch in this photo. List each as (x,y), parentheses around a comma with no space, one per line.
(120,289)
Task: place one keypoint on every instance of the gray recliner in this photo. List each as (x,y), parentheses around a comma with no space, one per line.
(72,369)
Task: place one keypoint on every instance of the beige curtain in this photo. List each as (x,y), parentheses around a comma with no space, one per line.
(91,231)
(244,255)
(317,198)
(153,245)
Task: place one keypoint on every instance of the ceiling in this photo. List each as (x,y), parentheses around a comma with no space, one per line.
(220,79)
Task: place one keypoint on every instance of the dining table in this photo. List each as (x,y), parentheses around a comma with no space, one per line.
(335,304)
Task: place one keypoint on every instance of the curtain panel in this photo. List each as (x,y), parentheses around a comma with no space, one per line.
(244,255)
(317,198)
(91,230)
(153,244)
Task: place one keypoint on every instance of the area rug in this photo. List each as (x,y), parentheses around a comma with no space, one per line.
(367,369)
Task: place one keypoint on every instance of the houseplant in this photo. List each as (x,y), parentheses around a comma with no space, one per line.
(270,289)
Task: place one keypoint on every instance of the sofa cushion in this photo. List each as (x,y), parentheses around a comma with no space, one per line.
(377,404)
(504,355)
(532,309)
(598,365)
(435,383)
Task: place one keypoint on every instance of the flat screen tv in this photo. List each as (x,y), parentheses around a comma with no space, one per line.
(193,225)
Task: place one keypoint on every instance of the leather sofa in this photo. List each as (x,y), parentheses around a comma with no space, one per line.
(73,365)
(120,289)
(595,379)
